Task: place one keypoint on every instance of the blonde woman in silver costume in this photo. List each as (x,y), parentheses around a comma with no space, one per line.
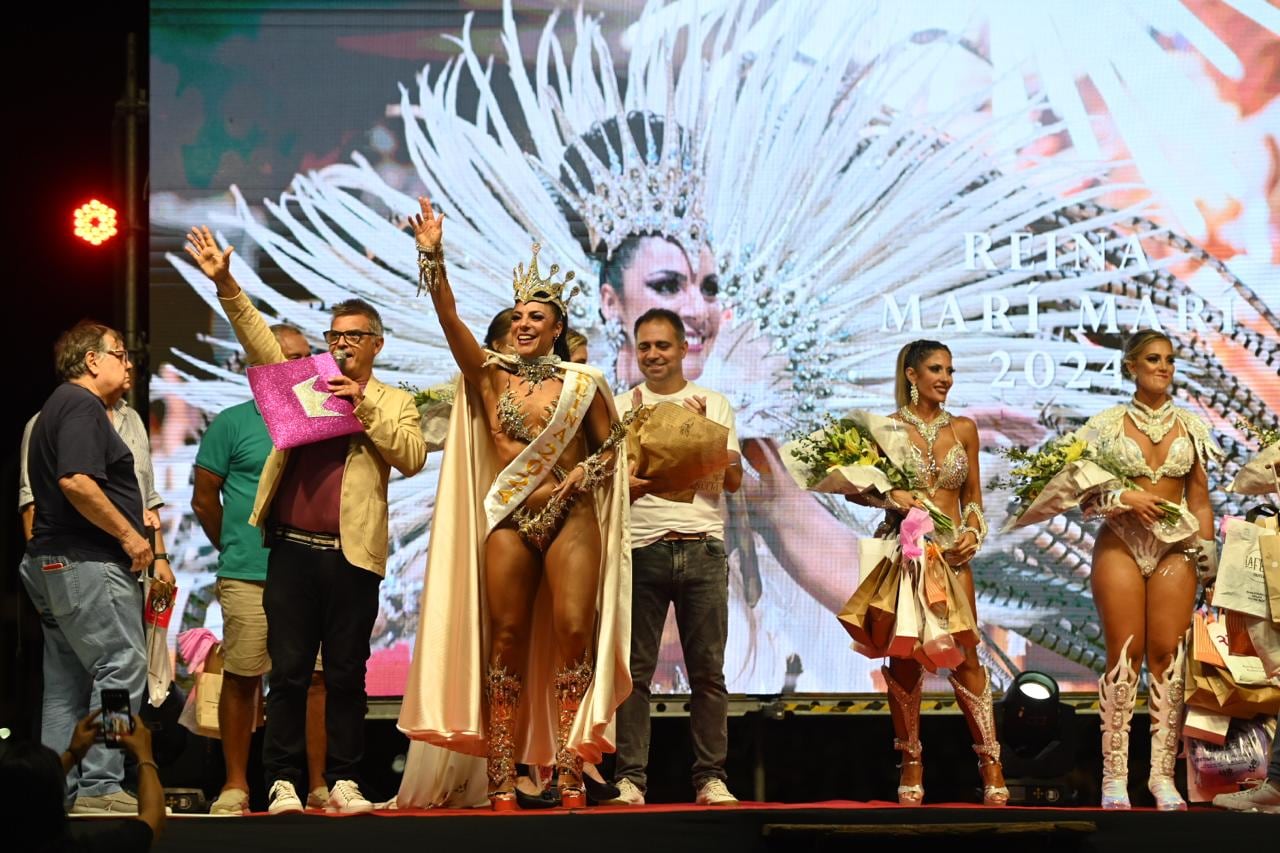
(945,450)
(1145,588)
(532,494)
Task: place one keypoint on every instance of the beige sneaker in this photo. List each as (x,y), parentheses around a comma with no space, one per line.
(715,793)
(1263,797)
(231,803)
(118,803)
(318,798)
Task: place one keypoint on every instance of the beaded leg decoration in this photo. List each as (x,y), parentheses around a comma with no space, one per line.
(1116,694)
(571,685)
(1165,700)
(977,707)
(908,704)
(503,691)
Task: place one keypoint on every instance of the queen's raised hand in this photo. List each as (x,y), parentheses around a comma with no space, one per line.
(426,226)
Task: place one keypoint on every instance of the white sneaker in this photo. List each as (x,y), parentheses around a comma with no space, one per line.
(715,793)
(1263,797)
(284,798)
(628,795)
(345,798)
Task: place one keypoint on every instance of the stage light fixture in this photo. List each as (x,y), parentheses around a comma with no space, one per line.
(95,222)
(1030,713)
(1037,736)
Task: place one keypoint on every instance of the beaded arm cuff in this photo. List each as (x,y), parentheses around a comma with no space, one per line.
(980,530)
(1205,557)
(1105,504)
(598,467)
(430,269)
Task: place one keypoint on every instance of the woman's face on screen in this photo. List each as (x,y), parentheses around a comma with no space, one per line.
(660,275)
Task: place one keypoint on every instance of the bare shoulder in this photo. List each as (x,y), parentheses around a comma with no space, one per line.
(494,376)
(966,428)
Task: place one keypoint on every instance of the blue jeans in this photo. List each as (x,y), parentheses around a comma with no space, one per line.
(91,618)
(694,576)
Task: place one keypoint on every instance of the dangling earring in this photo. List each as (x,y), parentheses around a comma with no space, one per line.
(915,395)
(614,340)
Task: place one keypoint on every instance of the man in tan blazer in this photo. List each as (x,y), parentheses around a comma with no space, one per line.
(323,510)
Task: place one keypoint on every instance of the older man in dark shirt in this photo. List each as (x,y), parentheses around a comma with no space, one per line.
(86,550)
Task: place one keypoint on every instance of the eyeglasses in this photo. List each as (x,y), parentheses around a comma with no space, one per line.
(333,336)
(122,354)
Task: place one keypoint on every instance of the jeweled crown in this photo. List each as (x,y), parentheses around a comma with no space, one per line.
(657,190)
(530,286)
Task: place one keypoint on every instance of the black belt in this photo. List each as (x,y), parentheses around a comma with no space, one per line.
(319,541)
(676,536)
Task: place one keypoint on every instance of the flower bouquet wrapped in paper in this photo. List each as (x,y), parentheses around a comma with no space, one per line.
(1064,473)
(435,406)
(678,450)
(859,454)
(1261,474)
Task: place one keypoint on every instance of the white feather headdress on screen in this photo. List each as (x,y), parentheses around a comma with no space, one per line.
(820,204)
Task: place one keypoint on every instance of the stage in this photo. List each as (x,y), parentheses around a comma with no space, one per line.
(833,825)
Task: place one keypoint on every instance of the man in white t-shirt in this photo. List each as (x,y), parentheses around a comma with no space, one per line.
(677,557)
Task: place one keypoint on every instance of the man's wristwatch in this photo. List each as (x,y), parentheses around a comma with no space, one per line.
(163,555)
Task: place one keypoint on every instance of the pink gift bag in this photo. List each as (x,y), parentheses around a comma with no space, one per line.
(294,399)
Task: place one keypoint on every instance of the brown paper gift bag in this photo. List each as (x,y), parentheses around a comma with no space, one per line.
(1202,645)
(208,692)
(1270,548)
(868,614)
(1214,689)
(960,616)
(908,617)
(681,451)
(1238,642)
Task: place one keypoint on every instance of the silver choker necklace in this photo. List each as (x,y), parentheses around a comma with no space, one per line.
(535,371)
(1154,423)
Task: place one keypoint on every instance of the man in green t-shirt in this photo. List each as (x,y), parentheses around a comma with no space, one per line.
(228,464)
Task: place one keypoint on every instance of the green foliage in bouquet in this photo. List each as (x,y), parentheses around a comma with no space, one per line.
(1032,470)
(1265,436)
(844,441)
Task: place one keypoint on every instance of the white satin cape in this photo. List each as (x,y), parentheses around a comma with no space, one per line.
(443,704)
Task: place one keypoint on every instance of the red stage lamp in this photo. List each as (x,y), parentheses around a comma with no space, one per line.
(95,222)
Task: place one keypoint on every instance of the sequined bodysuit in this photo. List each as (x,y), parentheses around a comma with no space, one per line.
(537,528)
(1138,537)
(953,471)
(951,474)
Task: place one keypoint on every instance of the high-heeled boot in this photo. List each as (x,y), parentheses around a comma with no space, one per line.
(1116,694)
(1165,700)
(977,708)
(908,703)
(571,685)
(503,691)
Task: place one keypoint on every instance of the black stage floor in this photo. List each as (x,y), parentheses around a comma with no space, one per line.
(746,828)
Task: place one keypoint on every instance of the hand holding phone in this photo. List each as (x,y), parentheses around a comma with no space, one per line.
(86,733)
(117,719)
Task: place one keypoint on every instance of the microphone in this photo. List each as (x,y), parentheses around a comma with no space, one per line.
(340,356)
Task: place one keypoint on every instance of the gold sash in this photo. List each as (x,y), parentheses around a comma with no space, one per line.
(523,474)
